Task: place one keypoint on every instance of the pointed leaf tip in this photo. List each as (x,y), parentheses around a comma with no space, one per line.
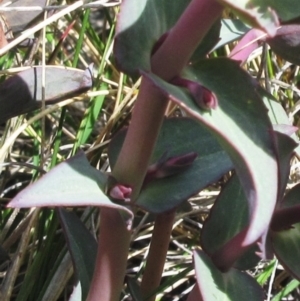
(73,182)
(233,285)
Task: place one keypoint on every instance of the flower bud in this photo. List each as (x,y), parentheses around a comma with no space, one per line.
(204,98)
(120,192)
(171,166)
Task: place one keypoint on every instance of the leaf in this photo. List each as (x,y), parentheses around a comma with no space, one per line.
(22,93)
(71,183)
(286,10)
(179,136)
(258,13)
(266,273)
(286,246)
(286,43)
(19,20)
(262,13)
(242,127)
(82,246)
(277,114)
(248,43)
(231,30)
(232,210)
(285,148)
(233,285)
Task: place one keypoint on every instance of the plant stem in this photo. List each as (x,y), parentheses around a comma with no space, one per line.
(111,261)
(157,254)
(167,62)
(134,157)
(147,117)
(173,55)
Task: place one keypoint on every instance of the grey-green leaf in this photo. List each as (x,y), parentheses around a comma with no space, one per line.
(22,93)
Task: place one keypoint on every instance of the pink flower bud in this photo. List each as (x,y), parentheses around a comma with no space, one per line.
(166,167)
(204,98)
(177,164)
(120,192)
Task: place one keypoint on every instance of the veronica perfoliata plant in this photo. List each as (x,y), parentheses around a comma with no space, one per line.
(231,124)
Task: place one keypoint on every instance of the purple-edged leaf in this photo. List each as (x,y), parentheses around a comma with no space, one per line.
(73,182)
(286,43)
(229,216)
(18,20)
(82,246)
(233,285)
(241,125)
(257,13)
(22,93)
(179,136)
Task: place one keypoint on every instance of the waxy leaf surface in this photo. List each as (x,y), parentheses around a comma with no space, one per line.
(22,93)
(233,285)
(82,246)
(73,182)
(179,136)
(241,125)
